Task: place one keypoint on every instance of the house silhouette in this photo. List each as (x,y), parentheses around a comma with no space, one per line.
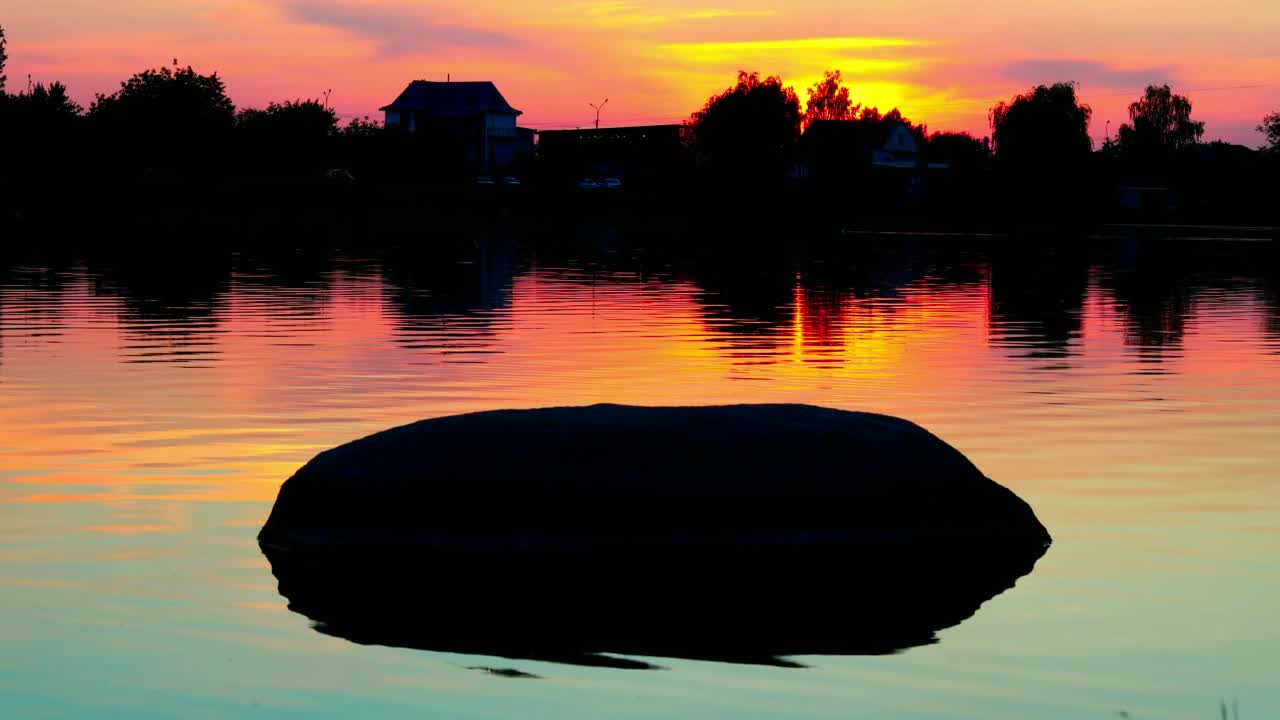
(471,117)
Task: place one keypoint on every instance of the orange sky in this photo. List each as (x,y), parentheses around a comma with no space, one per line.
(943,63)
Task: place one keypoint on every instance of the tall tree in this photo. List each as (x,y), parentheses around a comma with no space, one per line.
(1045,128)
(1161,122)
(829,100)
(1270,129)
(4,58)
(1042,152)
(747,130)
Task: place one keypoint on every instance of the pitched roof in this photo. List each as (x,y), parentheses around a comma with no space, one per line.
(860,134)
(451,99)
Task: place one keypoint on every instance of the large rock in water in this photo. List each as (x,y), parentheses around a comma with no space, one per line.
(743,533)
(578,477)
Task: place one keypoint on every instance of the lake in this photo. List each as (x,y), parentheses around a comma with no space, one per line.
(1128,390)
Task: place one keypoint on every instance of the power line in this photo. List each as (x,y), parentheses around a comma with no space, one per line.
(1192,90)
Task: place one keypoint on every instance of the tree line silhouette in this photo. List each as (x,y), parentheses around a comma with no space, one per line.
(1038,160)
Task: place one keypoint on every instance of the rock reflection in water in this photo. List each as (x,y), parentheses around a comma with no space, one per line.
(761,605)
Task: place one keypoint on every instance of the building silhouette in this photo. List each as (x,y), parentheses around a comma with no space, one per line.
(472,119)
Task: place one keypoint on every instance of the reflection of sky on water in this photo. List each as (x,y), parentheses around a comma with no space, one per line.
(145,427)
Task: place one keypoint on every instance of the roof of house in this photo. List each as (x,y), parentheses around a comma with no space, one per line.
(859,134)
(444,99)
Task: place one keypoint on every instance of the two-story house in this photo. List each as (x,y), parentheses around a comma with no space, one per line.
(472,117)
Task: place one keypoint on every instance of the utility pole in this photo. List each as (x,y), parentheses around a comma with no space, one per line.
(598,108)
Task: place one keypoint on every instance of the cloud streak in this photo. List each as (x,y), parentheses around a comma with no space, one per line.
(399,32)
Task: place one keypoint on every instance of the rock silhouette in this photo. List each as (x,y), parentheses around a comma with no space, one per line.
(739,534)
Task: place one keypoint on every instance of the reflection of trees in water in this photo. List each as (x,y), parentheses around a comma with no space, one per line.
(746,303)
(31,300)
(450,302)
(1271,298)
(814,303)
(1155,286)
(169,301)
(1037,299)
(290,289)
(300,280)
(170,288)
(1155,306)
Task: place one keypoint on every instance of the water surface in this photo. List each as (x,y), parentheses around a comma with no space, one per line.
(1128,391)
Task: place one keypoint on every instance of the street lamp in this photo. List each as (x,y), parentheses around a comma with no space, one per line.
(598,108)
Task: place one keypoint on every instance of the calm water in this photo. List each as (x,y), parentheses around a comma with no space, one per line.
(1129,392)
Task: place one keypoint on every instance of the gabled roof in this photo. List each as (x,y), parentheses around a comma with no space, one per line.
(863,135)
(444,99)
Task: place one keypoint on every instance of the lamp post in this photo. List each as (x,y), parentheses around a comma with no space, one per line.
(598,108)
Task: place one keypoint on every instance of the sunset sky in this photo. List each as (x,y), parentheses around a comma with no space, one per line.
(942,63)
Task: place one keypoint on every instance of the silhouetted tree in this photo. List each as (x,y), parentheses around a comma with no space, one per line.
(958,149)
(362,127)
(1047,128)
(289,120)
(4,58)
(287,136)
(746,131)
(1161,123)
(1042,152)
(49,105)
(41,128)
(828,100)
(166,116)
(1270,128)
(291,135)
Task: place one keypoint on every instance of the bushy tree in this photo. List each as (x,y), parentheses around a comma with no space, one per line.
(958,149)
(829,100)
(289,136)
(362,127)
(1270,129)
(166,116)
(43,122)
(1160,122)
(51,102)
(290,120)
(1046,128)
(747,130)
(1042,153)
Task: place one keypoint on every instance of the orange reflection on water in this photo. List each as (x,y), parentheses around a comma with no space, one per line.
(229,402)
